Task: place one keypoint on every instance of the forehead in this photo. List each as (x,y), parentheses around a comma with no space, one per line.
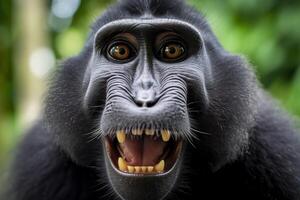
(148,26)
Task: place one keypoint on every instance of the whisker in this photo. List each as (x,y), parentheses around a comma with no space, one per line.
(201,132)
(92,135)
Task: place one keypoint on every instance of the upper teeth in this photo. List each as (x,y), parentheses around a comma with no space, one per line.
(137,132)
(121,136)
(165,134)
(149,131)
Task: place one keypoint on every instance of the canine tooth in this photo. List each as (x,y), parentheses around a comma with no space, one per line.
(130,169)
(160,166)
(137,169)
(121,136)
(144,169)
(165,135)
(149,131)
(137,132)
(122,164)
(150,168)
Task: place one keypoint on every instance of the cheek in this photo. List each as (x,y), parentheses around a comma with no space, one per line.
(98,75)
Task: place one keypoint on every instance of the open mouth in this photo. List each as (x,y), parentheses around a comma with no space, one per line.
(143,152)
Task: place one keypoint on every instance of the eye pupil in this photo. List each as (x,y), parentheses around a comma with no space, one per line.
(122,51)
(171,50)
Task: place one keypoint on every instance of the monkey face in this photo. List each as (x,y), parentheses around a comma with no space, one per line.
(147,72)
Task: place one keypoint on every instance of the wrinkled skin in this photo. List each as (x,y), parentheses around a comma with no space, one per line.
(236,143)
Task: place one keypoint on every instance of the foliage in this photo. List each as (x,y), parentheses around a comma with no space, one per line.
(268,33)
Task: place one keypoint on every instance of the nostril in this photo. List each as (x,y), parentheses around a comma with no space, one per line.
(145,98)
(147,103)
(151,103)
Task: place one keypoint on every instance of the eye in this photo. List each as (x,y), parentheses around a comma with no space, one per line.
(121,51)
(172,51)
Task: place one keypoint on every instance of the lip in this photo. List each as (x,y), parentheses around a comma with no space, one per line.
(143,175)
(169,155)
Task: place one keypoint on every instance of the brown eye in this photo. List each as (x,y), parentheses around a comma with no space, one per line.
(120,51)
(172,51)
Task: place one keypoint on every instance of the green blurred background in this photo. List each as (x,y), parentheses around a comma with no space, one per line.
(36,34)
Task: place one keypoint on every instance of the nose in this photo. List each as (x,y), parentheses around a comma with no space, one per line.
(145,93)
(145,98)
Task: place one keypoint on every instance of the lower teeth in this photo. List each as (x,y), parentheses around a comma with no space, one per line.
(158,168)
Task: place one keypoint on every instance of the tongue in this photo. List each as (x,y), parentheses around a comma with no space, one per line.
(143,152)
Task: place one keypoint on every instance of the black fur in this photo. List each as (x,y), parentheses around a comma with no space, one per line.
(247,147)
